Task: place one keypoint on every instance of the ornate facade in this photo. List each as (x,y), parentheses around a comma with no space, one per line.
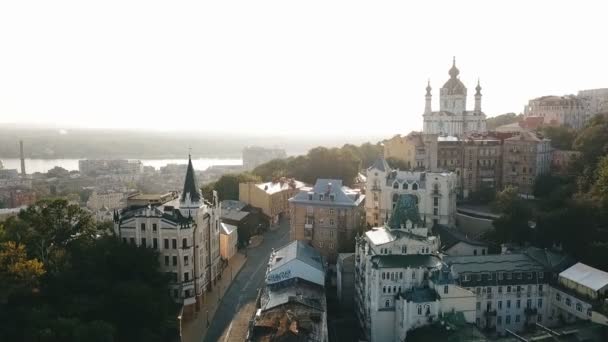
(453,117)
(435,192)
(186,232)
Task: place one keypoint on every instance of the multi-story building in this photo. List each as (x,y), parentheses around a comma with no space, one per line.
(186,232)
(109,199)
(594,100)
(580,294)
(482,164)
(400,280)
(329,215)
(512,290)
(525,156)
(435,192)
(453,118)
(254,156)
(566,110)
(292,305)
(271,197)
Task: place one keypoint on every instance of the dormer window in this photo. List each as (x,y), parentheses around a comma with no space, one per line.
(321,197)
(404,186)
(332,197)
(415,186)
(396,185)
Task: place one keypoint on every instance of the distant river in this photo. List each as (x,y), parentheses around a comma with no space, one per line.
(43,165)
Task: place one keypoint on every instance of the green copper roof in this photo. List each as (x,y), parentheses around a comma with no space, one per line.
(190,184)
(406,209)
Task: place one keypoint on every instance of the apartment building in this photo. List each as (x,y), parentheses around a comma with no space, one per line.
(328,215)
(525,157)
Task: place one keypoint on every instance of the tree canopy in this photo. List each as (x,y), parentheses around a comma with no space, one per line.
(63,279)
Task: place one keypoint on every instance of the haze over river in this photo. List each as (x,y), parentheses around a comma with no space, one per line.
(43,165)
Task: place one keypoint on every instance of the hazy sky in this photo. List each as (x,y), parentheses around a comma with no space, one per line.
(308,67)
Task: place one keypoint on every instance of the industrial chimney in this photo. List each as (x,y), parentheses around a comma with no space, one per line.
(22,158)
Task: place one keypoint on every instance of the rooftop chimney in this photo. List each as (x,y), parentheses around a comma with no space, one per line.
(22,158)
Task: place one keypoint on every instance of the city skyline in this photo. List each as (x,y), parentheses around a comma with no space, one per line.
(276,67)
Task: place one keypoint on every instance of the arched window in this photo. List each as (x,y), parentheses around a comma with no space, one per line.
(387,303)
(404,186)
(415,186)
(395,290)
(396,185)
(383,275)
(383,289)
(185,243)
(395,198)
(420,309)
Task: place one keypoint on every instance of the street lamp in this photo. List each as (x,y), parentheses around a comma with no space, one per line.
(207,317)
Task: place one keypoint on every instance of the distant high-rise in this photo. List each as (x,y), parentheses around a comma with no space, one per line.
(22,158)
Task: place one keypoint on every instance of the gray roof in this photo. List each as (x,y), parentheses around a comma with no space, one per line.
(234,215)
(342,195)
(451,236)
(232,204)
(493,263)
(297,250)
(406,260)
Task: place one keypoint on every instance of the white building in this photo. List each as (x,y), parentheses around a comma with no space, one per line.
(580,293)
(186,232)
(400,281)
(435,193)
(229,239)
(453,118)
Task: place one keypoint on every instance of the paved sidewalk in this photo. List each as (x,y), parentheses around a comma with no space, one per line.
(195,330)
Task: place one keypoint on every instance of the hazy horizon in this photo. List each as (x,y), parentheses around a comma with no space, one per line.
(310,69)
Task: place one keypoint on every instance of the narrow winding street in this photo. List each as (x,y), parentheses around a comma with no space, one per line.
(231,320)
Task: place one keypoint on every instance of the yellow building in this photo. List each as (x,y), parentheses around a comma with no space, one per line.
(271,197)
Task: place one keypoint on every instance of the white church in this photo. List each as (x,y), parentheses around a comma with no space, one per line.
(453,119)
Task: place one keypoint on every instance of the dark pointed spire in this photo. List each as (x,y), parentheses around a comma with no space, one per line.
(428,88)
(190,184)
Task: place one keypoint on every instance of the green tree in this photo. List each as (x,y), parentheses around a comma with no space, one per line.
(18,274)
(562,137)
(513,223)
(47,227)
(503,119)
(227,186)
